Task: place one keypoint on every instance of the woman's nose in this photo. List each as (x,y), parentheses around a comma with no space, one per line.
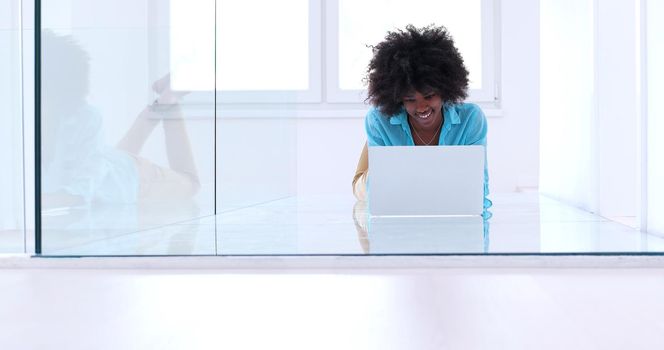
(422,106)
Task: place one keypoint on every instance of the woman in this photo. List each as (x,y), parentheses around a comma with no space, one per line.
(417,83)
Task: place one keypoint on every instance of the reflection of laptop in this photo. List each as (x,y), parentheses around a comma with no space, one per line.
(426,180)
(427,235)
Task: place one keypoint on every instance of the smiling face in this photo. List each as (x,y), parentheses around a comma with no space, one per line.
(424,109)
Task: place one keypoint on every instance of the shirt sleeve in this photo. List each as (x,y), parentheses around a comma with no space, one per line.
(477,131)
(375,135)
(477,128)
(78,161)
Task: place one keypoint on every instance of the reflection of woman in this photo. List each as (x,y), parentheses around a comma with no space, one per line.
(180,180)
(78,167)
(417,82)
(360,220)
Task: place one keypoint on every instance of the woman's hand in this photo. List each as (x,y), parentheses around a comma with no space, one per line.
(166,95)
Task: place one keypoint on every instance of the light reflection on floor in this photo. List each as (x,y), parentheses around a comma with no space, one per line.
(521,223)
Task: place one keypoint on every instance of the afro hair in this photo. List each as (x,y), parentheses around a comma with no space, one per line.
(417,59)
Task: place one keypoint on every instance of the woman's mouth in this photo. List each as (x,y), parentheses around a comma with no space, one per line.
(424,115)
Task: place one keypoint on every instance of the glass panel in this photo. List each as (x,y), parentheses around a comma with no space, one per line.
(257,155)
(132,162)
(11,116)
(123,160)
(357,30)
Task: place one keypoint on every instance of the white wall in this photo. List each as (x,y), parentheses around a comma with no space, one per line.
(327,154)
(567,108)
(514,139)
(589,111)
(616,84)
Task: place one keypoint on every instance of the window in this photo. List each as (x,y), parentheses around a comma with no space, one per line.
(266,51)
(353,25)
(275,54)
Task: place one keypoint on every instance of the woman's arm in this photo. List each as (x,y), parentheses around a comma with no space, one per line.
(360,178)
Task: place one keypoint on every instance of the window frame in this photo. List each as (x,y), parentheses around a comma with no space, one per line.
(311,95)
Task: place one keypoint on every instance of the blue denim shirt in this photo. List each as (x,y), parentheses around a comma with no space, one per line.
(464,124)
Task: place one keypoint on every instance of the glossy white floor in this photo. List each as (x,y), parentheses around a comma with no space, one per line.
(521,223)
(342,309)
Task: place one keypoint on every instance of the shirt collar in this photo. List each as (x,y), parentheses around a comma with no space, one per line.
(451,112)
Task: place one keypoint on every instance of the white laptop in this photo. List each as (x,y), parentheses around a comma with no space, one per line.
(426,180)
